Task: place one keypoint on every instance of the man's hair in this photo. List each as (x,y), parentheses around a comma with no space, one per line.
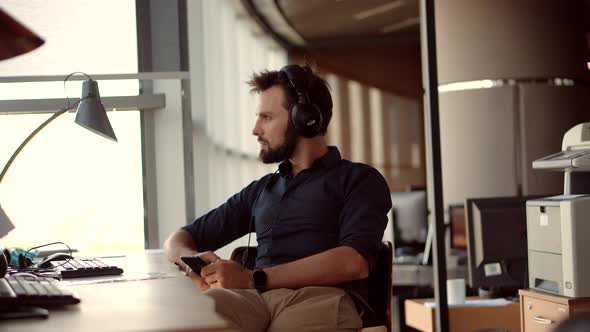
(317,89)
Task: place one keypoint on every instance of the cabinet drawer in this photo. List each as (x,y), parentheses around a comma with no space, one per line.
(541,315)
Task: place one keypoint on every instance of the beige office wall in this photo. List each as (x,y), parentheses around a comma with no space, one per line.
(478,143)
(490,138)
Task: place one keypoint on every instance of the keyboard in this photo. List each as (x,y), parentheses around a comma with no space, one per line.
(84,267)
(16,291)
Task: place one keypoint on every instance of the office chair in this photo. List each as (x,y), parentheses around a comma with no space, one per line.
(379,281)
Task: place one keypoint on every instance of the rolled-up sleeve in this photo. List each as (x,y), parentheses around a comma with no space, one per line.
(227,222)
(364,216)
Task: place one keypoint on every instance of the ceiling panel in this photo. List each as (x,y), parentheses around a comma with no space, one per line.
(333,19)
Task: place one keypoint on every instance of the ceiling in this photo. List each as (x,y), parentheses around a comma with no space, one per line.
(321,23)
(317,23)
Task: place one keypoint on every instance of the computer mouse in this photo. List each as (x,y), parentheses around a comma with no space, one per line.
(58,256)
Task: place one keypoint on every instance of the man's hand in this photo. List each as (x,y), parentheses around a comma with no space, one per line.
(207,256)
(197,279)
(227,274)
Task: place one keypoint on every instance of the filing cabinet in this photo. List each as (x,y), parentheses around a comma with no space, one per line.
(542,312)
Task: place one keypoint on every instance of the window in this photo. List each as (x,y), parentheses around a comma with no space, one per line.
(69,184)
(233,49)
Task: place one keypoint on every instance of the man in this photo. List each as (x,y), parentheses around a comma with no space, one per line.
(318,220)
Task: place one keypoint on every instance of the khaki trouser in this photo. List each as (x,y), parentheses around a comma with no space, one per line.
(305,309)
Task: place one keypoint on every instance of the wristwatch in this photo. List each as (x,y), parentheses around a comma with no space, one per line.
(259,280)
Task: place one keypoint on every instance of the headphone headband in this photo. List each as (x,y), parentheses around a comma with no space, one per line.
(297,77)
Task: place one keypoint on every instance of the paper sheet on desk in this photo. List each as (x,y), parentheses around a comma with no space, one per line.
(120,278)
(476,303)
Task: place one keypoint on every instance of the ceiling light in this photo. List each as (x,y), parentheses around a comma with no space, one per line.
(470,85)
(378,10)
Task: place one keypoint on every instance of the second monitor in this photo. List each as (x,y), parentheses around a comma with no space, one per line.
(497,243)
(410,225)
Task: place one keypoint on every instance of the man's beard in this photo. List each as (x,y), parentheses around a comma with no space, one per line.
(283,152)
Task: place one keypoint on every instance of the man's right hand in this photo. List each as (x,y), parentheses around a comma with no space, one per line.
(197,279)
(180,243)
(209,257)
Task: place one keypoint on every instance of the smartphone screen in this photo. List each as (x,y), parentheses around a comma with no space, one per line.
(194,262)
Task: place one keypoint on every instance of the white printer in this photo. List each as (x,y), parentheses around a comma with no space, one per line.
(558,227)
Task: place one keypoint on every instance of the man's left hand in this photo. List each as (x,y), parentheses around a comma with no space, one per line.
(227,274)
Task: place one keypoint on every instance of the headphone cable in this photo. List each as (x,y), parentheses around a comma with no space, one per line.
(252,217)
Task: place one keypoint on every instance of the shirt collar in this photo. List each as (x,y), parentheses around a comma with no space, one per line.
(328,160)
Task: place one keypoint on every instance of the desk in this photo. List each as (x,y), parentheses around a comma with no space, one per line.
(464,318)
(173,303)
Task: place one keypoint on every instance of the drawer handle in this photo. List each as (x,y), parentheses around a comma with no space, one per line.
(542,320)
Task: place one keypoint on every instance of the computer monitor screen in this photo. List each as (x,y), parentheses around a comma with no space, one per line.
(457,227)
(410,224)
(497,243)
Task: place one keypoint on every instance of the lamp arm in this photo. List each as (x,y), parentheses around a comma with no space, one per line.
(24,143)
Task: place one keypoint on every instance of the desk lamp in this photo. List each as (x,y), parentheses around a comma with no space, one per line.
(90,115)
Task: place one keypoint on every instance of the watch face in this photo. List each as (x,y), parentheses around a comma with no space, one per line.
(259,277)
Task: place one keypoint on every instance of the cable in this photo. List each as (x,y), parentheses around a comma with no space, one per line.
(245,254)
(67,78)
(50,244)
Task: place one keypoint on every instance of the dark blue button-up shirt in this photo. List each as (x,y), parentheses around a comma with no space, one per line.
(334,203)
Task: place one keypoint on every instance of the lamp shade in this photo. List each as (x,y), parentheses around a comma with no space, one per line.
(91,114)
(5,224)
(15,39)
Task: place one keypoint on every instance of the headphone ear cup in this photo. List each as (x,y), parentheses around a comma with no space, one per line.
(306,119)
(24,262)
(3,264)
(21,261)
(6,254)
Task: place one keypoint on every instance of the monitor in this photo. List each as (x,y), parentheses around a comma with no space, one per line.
(497,244)
(410,223)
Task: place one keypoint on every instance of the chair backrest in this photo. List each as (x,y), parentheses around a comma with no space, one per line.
(239,254)
(380,286)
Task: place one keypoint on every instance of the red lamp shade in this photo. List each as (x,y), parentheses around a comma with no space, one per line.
(15,38)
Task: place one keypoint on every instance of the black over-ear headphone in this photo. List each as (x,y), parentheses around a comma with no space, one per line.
(24,262)
(4,256)
(305,117)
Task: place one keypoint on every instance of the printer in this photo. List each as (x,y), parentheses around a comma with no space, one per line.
(558,227)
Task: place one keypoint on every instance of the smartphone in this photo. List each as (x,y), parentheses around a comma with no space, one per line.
(194,262)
